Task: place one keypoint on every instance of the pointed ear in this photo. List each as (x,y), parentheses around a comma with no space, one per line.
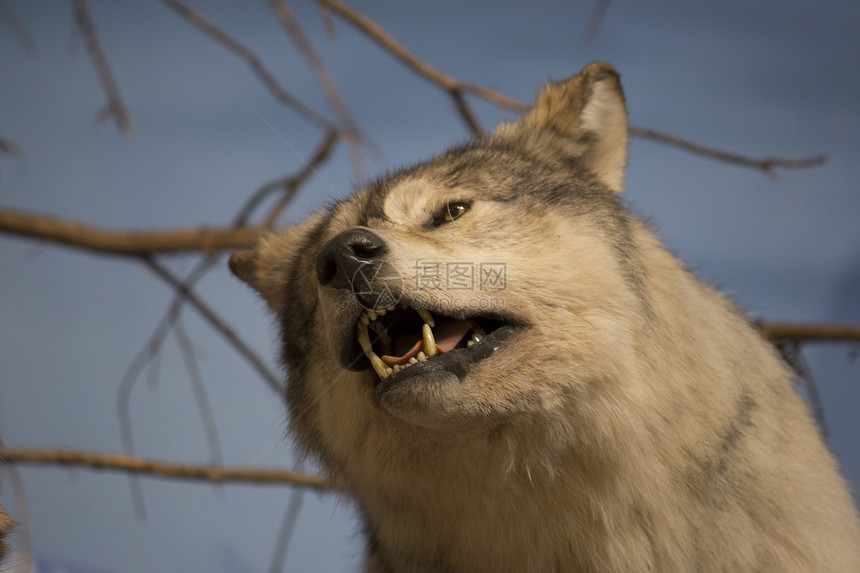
(264,268)
(588,108)
(243,264)
(267,267)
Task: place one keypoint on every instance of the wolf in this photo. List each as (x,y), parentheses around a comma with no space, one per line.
(572,398)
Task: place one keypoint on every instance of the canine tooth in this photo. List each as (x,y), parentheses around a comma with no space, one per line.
(476,338)
(422,357)
(381,370)
(426,316)
(364,339)
(372,315)
(364,319)
(429,341)
(413,360)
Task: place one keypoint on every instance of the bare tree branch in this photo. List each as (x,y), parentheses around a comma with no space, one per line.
(253,62)
(198,387)
(14,23)
(115,106)
(454,87)
(129,243)
(285,534)
(328,22)
(218,324)
(144,466)
(326,81)
(767,164)
(321,153)
(596,19)
(8,147)
(792,353)
(383,38)
(777,332)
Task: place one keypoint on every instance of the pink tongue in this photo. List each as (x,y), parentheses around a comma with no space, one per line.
(448,335)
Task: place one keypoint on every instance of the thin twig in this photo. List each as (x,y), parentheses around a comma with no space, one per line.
(8,147)
(792,353)
(328,22)
(596,19)
(146,356)
(198,387)
(14,23)
(375,32)
(218,324)
(143,466)
(766,164)
(115,106)
(130,243)
(454,87)
(326,82)
(253,62)
(321,153)
(285,534)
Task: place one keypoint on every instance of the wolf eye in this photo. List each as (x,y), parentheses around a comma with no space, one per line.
(451,212)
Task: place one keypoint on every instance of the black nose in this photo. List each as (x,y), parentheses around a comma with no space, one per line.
(340,259)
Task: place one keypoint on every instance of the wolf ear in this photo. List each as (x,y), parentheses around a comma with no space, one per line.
(266,267)
(589,108)
(243,264)
(261,270)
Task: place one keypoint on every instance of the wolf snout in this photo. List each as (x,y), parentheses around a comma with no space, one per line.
(350,256)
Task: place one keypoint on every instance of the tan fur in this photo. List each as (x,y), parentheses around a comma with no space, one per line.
(636,422)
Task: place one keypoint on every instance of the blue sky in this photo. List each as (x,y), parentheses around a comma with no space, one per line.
(764,79)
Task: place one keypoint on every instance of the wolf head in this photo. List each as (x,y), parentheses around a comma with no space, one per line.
(434,297)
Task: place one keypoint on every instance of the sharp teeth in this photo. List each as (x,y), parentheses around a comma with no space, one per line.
(372,315)
(422,357)
(426,317)
(363,339)
(364,319)
(381,312)
(470,344)
(476,338)
(429,341)
(413,360)
(381,369)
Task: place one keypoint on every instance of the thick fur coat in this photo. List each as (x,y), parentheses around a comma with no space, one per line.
(609,412)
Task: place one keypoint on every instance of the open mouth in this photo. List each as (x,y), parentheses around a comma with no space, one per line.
(401,341)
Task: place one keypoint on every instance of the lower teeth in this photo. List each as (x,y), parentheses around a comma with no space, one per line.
(430,349)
